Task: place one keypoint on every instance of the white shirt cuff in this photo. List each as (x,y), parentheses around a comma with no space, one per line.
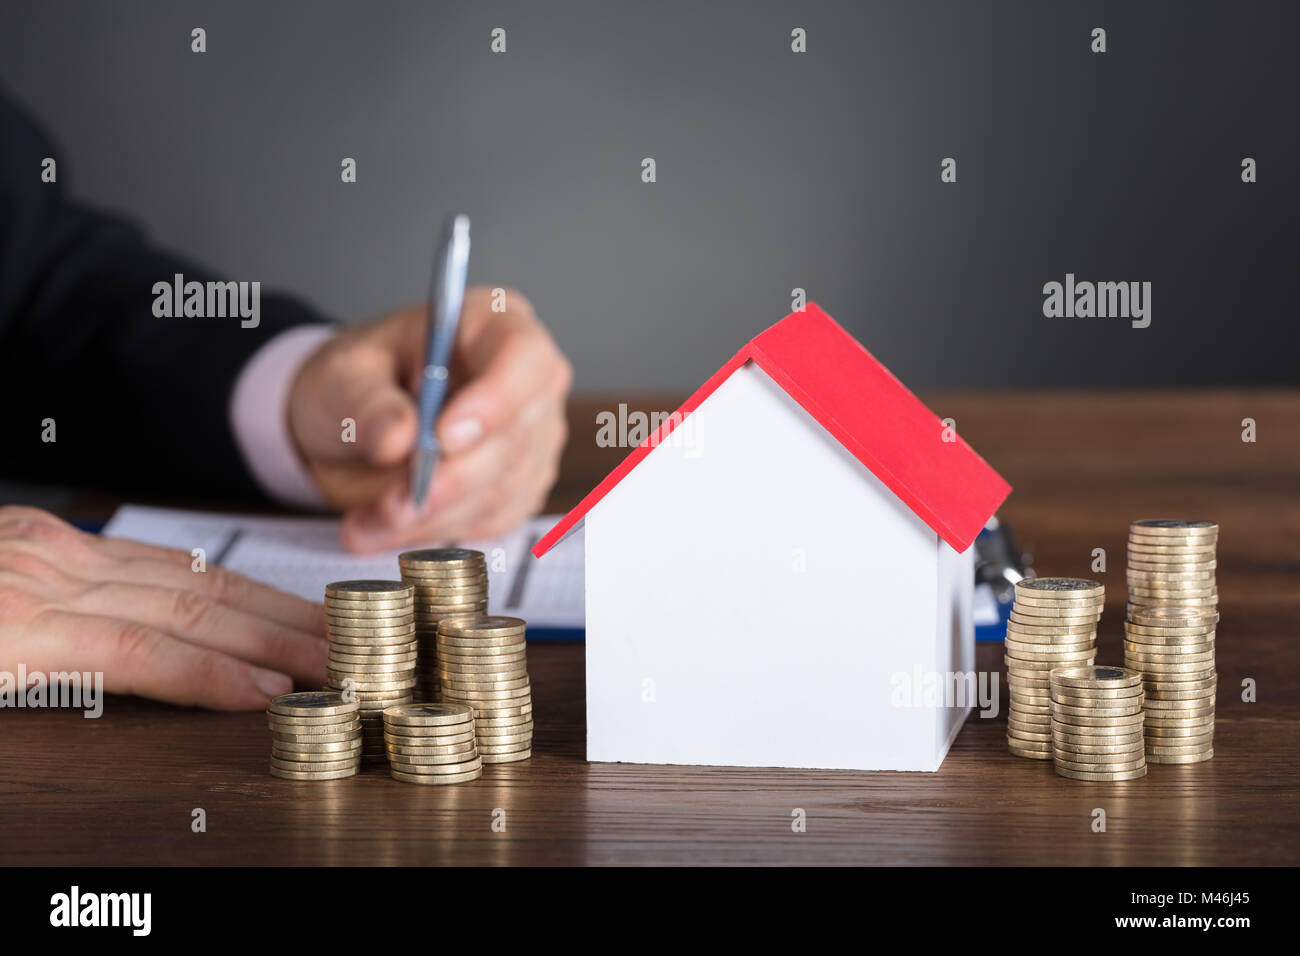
(259,415)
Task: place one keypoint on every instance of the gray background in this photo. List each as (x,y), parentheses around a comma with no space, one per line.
(775,170)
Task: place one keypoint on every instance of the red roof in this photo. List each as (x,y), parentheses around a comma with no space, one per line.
(868,410)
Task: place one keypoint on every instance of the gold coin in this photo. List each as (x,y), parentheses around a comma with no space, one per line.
(1174,528)
(441,558)
(430,715)
(1029,752)
(487,717)
(1185,727)
(366,590)
(1200,747)
(488,698)
(1094,704)
(494,625)
(1024,728)
(508,758)
(1157,705)
(1161,694)
(370,667)
(1201,670)
(344,656)
(378,686)
(1179,718)
(1101,777)
(314,703)
(376,649)
(1178,617)
(367,608)
(1182,758)
(389,645)
(329,724)
(1044,667)
(406,766)
(434,780)
(1069,606)
(277,736)
(1060,587)
(406,631)
(464,747)
(324,746)
(1084,766)
(314,766)
(1049,617)
(1050,628)
(1090,751)
(1058,656)
(1127,723)
(1095,736)
(484,660)
(1102,675)
(314,775)
(490,748)
(437,613)
(507,644)
(1140,644)
(1029,740)
(1162,653)
(462,762)
(1065,711)
(414,743)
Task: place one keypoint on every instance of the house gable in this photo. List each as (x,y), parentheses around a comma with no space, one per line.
(859,402)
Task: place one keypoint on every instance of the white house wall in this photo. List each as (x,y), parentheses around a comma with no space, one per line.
(707,643)
(956,638)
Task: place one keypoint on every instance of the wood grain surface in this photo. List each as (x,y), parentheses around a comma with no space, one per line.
(120,789)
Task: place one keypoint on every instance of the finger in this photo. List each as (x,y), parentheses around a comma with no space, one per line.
(190,616)
(224,587)
(459,476)
(126,548)
(385,421)
(356,408)
(137,659)
(394,519)
(523,366)
(469,489)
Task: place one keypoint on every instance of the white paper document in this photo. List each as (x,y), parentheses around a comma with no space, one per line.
(302,555)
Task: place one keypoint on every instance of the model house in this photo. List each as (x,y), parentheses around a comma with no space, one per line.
(780,570)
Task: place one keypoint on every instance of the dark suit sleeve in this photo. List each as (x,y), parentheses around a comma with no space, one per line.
(139,402)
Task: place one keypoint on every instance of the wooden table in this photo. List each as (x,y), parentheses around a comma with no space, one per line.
(121,789)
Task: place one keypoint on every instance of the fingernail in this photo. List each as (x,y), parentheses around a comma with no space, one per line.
(271,683)
(460,434)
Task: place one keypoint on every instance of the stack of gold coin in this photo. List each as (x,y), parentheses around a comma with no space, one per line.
(371,631)
(1097,723)
(1173,648)
(447,581)
(482,662)
(431,743)
(1171,563)
(314,736)
(1053,624)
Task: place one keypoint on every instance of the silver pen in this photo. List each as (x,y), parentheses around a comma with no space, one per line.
(450,266)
